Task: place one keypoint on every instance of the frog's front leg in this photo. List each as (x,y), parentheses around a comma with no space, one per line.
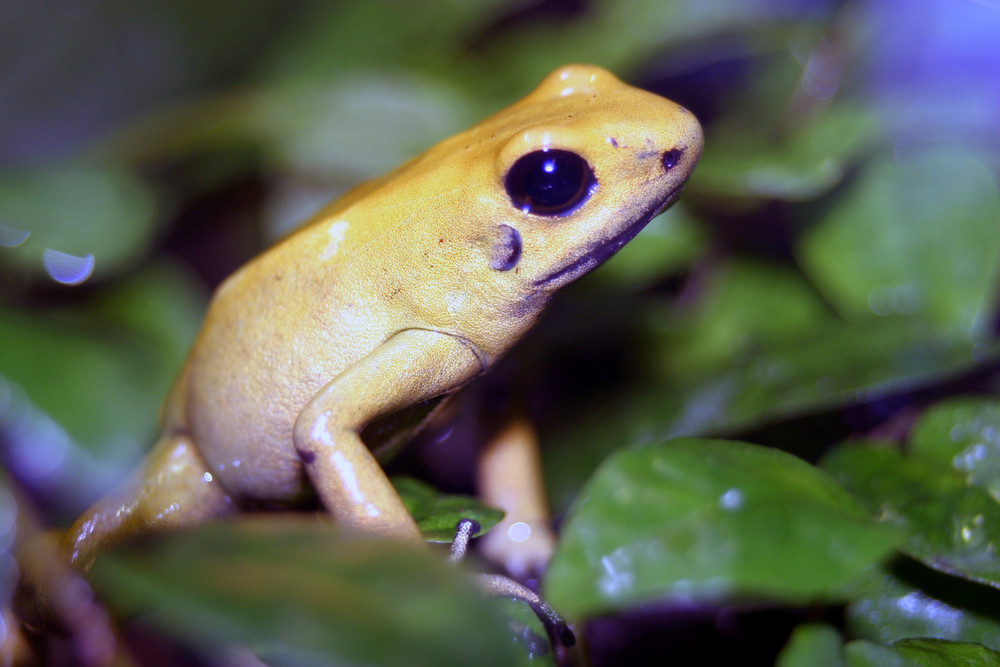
(413,365)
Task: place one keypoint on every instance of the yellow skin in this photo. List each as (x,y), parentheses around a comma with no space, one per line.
(402,291)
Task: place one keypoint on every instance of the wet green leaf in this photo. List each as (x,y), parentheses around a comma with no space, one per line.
(813,646)
(890,609)
(915,235)
(297,592)
(438,514)
(964,434)
(951,526)
(709,518)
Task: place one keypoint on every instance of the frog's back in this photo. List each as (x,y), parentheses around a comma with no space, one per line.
(275,333)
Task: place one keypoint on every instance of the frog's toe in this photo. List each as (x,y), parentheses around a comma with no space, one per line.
(497,584)
(557,627)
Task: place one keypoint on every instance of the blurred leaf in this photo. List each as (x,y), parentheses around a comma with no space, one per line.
(801,166)
(701,357)
(964,434)
(80,389)
(756,346)
(317,138)
(668,245)
(325,39)
(340,132)
(707,518)
(952,527)
(79,211)
(365,124)
(862,653)
(621,36)
(438,514)
(11,526)
(812,646)
(72,70)
(838,364)
(529,633)
(890,609)
(299,593)
(915,235)
(939,653)
(742,308)
(920,653)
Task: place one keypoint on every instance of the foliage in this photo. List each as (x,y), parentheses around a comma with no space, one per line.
(827,290)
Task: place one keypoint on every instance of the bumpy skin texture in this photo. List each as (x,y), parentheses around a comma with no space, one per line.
(403,290)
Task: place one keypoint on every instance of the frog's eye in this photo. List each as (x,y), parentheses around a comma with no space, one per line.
(550,182)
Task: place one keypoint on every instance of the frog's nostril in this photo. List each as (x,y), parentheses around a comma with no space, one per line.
(671,158)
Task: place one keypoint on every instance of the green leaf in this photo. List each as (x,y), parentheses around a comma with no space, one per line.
(707,518)
(11,526)
(862,653)
(813,646)
(528,632)
(80,388)
(367,34)
(298,592)
(756,346)
(920,653)
(744,307)
(622,36)
(800,166)
(915,235)
(963,433)
(951,527)
(940,653)
(101,213)
(890,609)
(438,514)
(669,244)
(322,128)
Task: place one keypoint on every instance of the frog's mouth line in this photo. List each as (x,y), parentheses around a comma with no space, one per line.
(599,252)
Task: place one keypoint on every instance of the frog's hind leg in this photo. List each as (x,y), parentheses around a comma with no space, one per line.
(174,489)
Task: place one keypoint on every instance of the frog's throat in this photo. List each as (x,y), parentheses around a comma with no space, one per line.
(600,251)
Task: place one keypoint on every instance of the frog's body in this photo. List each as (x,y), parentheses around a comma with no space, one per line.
(400,292)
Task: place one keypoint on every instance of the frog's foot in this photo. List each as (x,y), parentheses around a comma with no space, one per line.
(53,603)
(498,584)
(522,548)
(509,477)
(173,490)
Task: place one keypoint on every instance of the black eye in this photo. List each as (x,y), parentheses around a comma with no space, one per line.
(550,182)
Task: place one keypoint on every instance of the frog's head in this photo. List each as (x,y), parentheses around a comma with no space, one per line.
(499,217)
(589,162)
